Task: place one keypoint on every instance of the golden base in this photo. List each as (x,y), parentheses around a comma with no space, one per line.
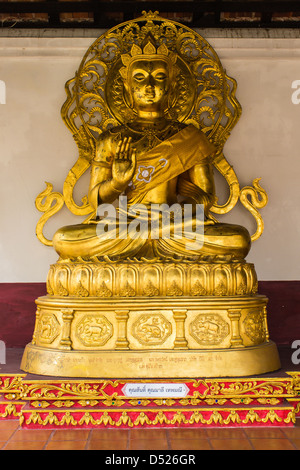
(233,362)
(216,336)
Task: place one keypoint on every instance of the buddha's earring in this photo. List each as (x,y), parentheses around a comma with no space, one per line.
(171,106)
(129,113)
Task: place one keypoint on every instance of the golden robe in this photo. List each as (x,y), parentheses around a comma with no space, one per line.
(163,167)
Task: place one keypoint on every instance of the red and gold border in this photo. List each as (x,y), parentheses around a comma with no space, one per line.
(267,401)
(129,418)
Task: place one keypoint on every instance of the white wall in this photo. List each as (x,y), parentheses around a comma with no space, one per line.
(35,145)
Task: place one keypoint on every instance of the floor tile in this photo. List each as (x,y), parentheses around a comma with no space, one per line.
(149,444)
(292,432)
(71,435)
(225,433)
(190,444)
(31,435)
(187,433)
(231,444)
(142,434)
(296,442)
(112,444)
(6,434)
(9,424)
(24,445)
(264,433)
(109,434)
(65,445)
(272,444)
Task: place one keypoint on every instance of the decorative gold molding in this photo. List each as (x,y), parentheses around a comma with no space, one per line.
(107,279)
(236,339)
(67,317)
(180,340)
(128,418)
(122,318)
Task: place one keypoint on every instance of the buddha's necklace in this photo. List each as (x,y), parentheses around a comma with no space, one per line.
(151,133)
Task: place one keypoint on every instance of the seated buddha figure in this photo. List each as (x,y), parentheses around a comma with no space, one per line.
(152,160)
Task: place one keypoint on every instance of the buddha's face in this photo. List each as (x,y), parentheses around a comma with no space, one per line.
(149,84)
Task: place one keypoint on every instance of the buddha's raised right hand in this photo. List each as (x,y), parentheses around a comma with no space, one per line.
(124,163)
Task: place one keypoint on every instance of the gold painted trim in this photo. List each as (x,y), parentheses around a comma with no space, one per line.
(10,409)
(160,418)
(215,388)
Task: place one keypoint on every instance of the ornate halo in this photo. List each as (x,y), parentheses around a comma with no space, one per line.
(205,95)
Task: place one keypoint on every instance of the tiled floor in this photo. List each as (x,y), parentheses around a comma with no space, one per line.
(12,437)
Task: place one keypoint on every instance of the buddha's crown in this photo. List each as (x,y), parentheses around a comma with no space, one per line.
(148,52)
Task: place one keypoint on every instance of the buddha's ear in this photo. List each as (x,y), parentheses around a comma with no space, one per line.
(123,73)
(126,86)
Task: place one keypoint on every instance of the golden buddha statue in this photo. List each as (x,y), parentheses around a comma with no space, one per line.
(150,109)
(179,158)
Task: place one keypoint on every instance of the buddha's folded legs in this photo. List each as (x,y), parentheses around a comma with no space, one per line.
(218,239)
(86,240)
